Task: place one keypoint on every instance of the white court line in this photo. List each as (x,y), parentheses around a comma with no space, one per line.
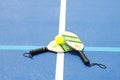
(60,56)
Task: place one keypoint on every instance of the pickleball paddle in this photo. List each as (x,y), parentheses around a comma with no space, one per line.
(52,47)
(73,41)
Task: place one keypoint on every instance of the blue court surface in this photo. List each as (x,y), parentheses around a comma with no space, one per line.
(31,24)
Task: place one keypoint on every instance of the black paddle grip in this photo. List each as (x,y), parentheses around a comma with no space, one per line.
(38,51)
(87,62)
(84,58)
(35,52)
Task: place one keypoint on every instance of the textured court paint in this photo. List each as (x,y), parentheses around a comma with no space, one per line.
(60,57)
(106,49)
(27,22)
(17,47)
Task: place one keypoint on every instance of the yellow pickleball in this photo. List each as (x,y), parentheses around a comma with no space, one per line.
(59,39)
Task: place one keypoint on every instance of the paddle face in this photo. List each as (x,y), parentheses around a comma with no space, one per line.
(52,46)
(73,40)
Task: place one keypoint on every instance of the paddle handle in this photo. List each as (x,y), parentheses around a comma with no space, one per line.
(84,58)
(35,52)
(38,51)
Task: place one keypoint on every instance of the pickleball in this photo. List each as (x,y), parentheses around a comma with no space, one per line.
(59,39)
